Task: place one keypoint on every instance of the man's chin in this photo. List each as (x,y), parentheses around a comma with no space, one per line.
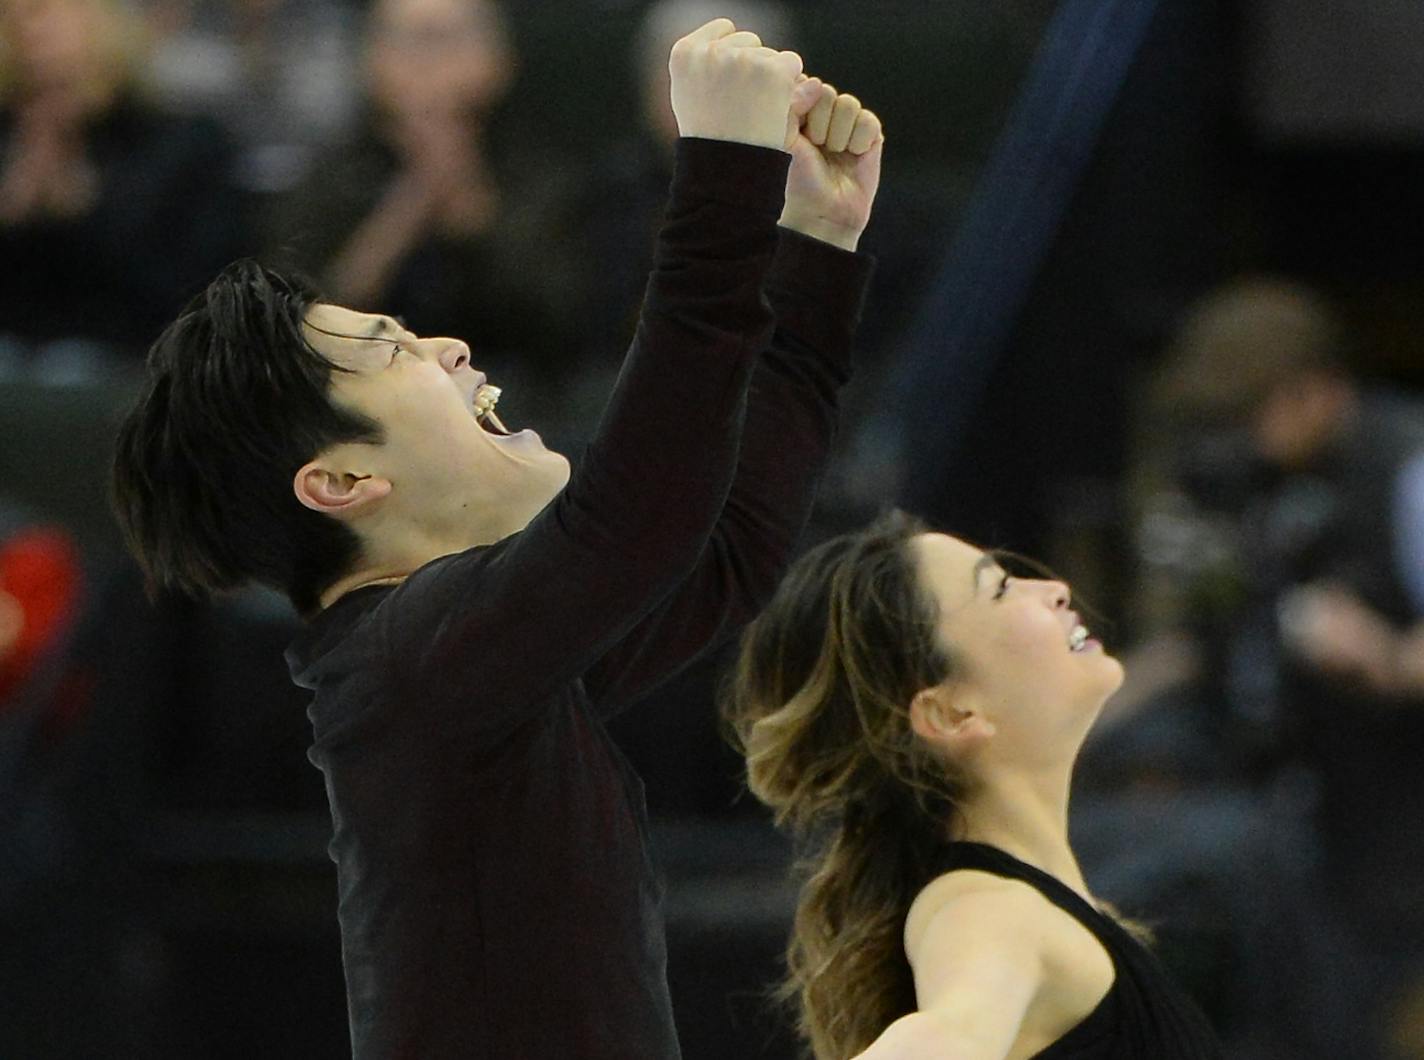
(565,470)
(551,483)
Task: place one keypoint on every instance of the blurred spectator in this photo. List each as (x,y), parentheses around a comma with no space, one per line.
(1284,549)
(622,208)
(109,212)
(416,218)
(1325,477)
(276,73)
(613,219)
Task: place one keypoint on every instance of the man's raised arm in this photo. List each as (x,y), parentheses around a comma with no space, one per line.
(816,288)
(638,512)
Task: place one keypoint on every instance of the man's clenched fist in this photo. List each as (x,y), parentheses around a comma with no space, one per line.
(835,165)
(727,86)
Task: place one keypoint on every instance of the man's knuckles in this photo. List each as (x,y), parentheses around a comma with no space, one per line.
(866,134)
(708,31)
(734,56)
(733,87)
(743,38)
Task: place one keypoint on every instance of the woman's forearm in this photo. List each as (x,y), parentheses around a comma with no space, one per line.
(924,1036)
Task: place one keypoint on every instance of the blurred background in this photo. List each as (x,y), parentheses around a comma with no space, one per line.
(1150,306)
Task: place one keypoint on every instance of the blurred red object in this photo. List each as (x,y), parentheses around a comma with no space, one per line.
(41,583)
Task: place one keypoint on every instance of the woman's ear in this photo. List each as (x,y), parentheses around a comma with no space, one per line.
(339,494)
(954,726)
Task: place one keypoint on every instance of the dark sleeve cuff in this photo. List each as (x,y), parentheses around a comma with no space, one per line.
(740,175)
(819,289)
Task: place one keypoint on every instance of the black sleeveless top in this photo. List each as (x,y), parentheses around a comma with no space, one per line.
(1144,1014)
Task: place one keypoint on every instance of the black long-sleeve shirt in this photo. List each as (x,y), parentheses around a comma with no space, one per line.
(496,894)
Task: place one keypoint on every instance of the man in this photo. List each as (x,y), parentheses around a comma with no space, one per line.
(1336,521)
(1317,647)
(473,619)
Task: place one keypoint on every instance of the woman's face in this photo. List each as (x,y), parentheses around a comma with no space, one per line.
(1021,658)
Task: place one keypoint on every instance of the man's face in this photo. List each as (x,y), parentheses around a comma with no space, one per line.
(448,468)
(53,40)
(427,58)
(1298,418)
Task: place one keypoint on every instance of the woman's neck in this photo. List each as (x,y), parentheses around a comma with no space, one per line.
(1025,816)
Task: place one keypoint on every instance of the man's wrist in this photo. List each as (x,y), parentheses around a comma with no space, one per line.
(739,175)
(838,235)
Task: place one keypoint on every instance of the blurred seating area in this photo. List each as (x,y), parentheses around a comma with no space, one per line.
(1149,306)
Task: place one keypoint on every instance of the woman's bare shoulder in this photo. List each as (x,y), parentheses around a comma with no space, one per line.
(971,895)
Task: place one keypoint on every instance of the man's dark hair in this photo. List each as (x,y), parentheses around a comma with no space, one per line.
(235,401)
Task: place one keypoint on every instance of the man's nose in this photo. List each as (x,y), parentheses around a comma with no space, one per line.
(454,355)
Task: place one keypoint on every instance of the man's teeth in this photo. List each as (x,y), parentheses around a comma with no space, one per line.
(485,400)
(1078,638)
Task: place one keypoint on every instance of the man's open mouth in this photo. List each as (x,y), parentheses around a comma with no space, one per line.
(486,397)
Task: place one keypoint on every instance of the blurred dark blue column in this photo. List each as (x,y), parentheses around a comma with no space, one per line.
(1008,231)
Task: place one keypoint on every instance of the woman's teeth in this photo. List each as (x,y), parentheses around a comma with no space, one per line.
(1078,638)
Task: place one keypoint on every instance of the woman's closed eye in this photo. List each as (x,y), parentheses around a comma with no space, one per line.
(1003,587)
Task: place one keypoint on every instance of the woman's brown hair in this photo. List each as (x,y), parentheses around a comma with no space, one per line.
(819,704)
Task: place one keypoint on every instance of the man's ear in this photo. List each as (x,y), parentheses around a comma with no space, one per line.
(956,727)
(339,494)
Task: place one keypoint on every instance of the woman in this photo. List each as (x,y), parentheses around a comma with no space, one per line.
(917,711)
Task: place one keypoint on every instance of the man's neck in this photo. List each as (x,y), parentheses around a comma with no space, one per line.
(357,581)
(391,566)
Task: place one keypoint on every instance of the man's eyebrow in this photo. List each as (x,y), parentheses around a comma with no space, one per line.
(986,561)
(382,328)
